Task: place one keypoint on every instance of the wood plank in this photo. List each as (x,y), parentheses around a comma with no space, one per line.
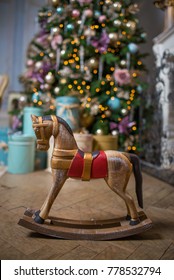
(150,250)
(79,253)
(163,222)
(94,199)
(45,253)
(169,253)
(113,253)
(11,233)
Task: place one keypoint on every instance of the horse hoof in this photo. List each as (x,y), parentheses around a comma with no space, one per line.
(37,218)
(128,217)
(134,222)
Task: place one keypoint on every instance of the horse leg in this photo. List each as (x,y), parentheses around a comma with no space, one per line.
(59,178)
(119,171)
(118,188)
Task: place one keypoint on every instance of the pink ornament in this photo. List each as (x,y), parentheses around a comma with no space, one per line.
(30,62)
(88,13)
(57,40)
(122,76)
(83,2)
(102,18)
(28,74)
(75,13)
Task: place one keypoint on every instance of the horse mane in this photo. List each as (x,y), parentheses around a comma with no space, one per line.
(62,121)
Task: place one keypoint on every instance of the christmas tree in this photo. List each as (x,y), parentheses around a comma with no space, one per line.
(90,49)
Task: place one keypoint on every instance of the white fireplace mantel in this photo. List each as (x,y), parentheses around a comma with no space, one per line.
(164,52)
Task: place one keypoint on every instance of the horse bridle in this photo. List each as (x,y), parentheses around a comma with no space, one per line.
(41,125)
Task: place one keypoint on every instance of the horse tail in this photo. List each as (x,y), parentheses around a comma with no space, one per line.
(134,159)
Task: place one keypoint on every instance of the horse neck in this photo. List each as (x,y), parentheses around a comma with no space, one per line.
(64,140)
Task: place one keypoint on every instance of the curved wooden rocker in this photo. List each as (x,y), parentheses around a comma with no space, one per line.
(68,161)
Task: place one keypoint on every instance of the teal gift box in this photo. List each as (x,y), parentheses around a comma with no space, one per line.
(27,122)
(21,154)
(3,145)
(67,107)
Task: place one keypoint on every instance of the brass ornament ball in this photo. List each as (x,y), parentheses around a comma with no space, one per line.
(55,3)
(117,6)
(86,120)
(49,78)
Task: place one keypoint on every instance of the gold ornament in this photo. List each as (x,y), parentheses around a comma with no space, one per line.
(55,30)
(86,120)
(117,6)
(113,37)
(55,3)
(163,4)
(63,81)
(108,2)
(49,78)
(89,32)
(52,55)
(108,113)
(131,25)
(92,63)
(133,9)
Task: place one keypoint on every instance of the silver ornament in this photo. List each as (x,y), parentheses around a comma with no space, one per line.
(114,132)
(22,101)
(46,87)
(99,131)
(38,65)
(123,63)
(56,90)
(94,110)
(108,113)
(124,111)
(117,6)
(117,23)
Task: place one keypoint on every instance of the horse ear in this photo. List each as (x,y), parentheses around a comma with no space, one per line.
(34,118)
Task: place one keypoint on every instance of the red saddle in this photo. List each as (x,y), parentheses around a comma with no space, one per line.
(99,167)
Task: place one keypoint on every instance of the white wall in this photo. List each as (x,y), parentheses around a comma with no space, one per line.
(17,27)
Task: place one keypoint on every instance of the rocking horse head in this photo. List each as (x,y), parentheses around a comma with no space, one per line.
(47,126)
(44,128)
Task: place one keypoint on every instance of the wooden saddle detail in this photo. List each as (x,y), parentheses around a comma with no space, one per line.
(81,165)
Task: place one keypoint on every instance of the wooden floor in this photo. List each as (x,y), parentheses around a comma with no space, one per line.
(83,200)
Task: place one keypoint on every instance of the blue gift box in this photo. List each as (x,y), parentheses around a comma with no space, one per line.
(21,154)
(27,123)
(67,107)
(3,147)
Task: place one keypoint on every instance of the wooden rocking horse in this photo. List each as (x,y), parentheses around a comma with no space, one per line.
(68,161)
